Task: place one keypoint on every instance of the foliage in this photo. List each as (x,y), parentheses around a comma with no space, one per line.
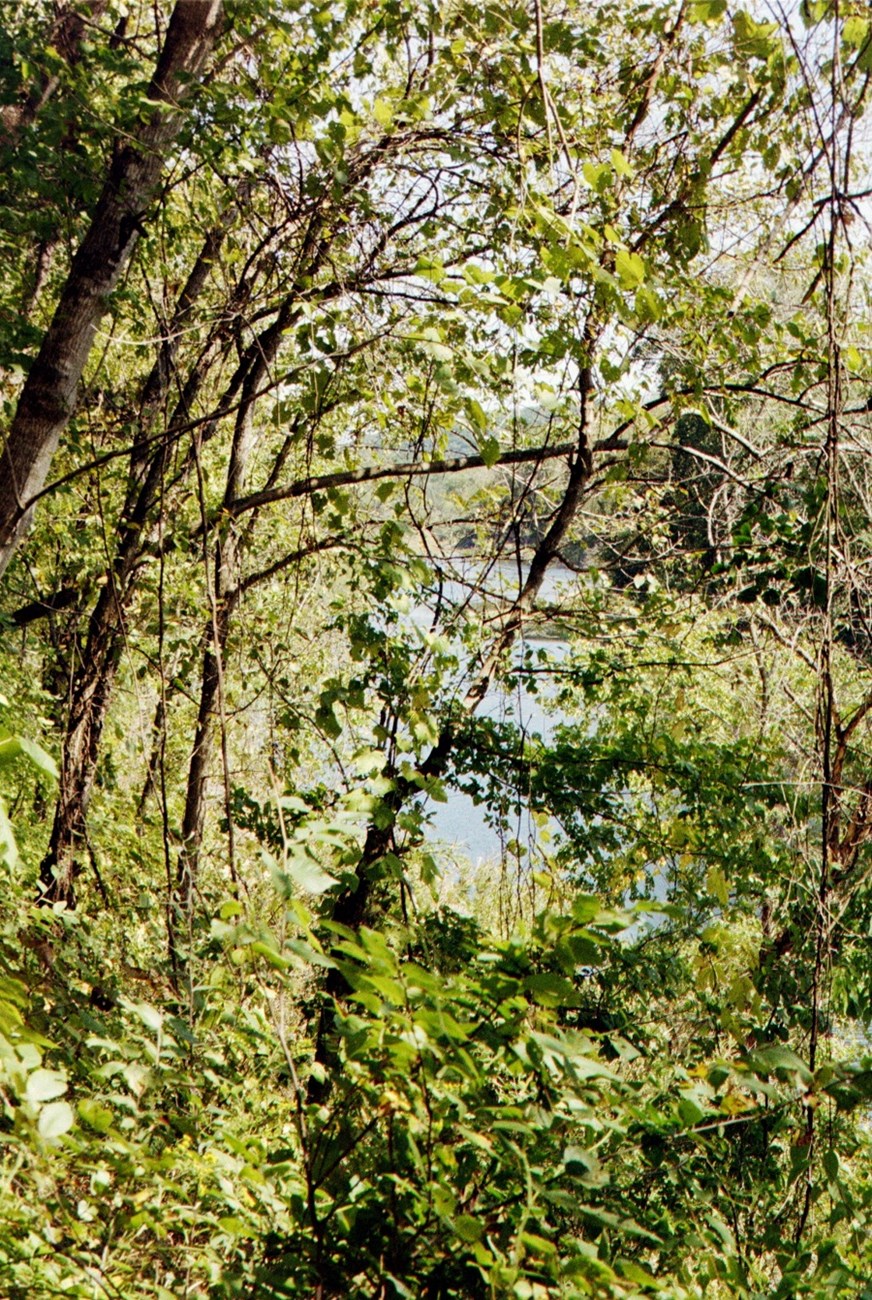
(460,365)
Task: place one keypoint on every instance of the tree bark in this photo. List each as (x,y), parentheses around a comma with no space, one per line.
(64,35)
(223,598)
(48,397)
(94,677)
(199,764)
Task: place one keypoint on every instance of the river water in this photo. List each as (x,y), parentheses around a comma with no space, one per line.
(460,825)
(460,828)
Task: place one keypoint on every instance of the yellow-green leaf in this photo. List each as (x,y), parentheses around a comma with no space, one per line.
(630,268)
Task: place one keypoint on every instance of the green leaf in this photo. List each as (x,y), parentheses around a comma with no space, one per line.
(55,1119)
(431,342)
(476,414)
(647,305)
(490,451)
(229,1223)
(271,955)
(429,268)
(149,1015)
(630,268)
(716,884)
(598,176)
(855,29)
(12,747)
(628,1226)
(383,112)
(43,1085)
(39,757)
(8,847)
(707,11)
(853,360)
(307,875)
(575,1155)
(467,1228)
(96,1116)
(620,163)
(753,39)
(778,1057)
(551,990)
(690,1112)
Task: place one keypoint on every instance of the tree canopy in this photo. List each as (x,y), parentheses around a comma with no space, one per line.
(419,407)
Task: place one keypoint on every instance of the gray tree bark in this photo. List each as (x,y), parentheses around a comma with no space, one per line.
(48,397)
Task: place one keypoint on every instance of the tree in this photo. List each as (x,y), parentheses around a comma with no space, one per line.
(420,306)
(48,397)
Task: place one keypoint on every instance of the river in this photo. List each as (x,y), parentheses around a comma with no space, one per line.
(460,825)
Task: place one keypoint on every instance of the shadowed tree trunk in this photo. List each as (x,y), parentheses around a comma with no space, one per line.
(223,598)
(48,397)
(93,679)
(94,676)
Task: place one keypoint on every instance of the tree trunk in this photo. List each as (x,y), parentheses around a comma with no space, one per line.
(65,36)
(90,692)
(48,397)
(352,908)
(223,598)
(200,762)
(94,677)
